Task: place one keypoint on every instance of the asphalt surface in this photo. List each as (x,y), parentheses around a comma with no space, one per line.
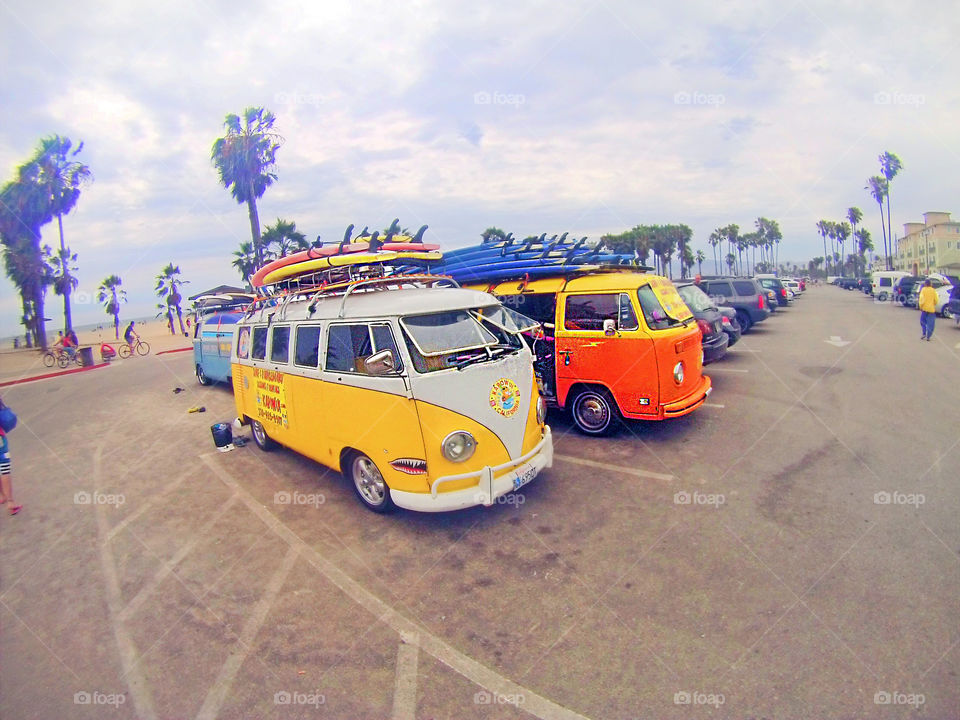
(737,563)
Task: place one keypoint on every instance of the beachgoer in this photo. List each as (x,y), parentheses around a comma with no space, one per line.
(73,338)
(6,482)
(927,302)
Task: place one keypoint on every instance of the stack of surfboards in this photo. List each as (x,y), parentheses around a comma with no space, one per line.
(534,257)
(325,263)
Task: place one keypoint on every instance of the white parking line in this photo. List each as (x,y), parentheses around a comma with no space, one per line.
(405,691)
(712,370)
(615,468)
(533,703)
(714,405)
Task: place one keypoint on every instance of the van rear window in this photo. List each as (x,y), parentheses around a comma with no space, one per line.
(259,349)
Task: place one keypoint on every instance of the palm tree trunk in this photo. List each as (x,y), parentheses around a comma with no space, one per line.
(170,321)
(255,230)
(883,229)
(180,320)
(67,314)
(40,330)
(889,230)
(116,325)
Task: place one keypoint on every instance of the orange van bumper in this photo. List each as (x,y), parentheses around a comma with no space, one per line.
(678,408)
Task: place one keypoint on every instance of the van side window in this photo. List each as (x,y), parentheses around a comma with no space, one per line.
(348,346)
(627,318)
(308,346)
(280,347)
(587,312)
(243,343)
(259,349)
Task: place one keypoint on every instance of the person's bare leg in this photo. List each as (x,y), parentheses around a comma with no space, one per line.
(6,484)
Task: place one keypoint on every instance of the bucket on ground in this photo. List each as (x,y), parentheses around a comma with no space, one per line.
(222,434)
(86,356)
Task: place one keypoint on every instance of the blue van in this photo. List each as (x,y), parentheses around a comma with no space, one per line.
(212,341)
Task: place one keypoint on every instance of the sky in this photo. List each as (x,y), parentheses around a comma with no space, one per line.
(587,117)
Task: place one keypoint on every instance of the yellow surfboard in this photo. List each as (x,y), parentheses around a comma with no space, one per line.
(334,261)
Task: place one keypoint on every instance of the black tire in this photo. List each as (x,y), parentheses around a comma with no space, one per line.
(260,436)
(143,348)
(49,359)
(368,483)
(882,297)
(594,412)
(745,322)
(63,360)
(124,351)
(201,376)
(945,313)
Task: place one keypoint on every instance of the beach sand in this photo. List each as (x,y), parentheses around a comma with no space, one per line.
(23,363)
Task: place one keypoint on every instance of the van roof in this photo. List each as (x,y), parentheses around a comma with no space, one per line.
(377,304)
(607,280)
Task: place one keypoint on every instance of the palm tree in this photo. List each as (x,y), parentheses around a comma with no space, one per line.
(245,158)
(823,227)
(879,189)
(60,176)
(731,261)
(285,236)
(492,234)
(864,245)
(842,232)
(168,289)
(716,237)
(245,261)
(854,216)
(700,257)
(732,234)
(62,268)
(111,295)
(890,165)
(24,208)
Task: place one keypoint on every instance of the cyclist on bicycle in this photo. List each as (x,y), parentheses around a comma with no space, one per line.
(130,336)
(65,343)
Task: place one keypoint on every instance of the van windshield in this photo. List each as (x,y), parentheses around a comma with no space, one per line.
(507,319)
(695,298)
(653,312)
(442,333)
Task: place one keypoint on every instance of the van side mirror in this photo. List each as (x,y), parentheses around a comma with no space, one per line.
(381,363)
(609,327)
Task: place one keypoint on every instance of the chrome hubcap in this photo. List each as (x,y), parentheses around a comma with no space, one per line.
(592,412)
(369,481)
(259,433)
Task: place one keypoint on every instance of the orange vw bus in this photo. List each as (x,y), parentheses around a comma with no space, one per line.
(616,344)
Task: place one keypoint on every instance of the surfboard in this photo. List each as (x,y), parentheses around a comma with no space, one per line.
(333,261)
(302,256)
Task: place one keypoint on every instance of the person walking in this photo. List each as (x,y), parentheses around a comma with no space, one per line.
(927,302)
(6,485)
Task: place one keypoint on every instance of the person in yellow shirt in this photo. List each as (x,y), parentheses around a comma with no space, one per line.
(927,302)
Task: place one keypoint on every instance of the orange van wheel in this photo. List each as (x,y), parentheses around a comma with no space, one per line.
(594,411)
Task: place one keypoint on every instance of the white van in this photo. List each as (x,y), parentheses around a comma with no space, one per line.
(881,283)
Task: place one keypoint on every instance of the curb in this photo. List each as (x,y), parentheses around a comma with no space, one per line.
(167,352)
(52,375)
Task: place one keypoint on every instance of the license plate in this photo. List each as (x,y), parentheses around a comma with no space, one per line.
(523,476)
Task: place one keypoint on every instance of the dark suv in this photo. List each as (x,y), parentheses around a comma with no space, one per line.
(778,288)
(904,287)
(742,294)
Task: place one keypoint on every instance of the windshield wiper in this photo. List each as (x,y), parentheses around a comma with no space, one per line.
(483,357)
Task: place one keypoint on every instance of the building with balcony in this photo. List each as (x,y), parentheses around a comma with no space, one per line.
(929,246)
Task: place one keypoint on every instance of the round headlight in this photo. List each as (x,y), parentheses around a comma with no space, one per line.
(458,446)
(678,373)
(541,410)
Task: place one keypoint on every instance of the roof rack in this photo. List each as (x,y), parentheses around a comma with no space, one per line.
(393,279)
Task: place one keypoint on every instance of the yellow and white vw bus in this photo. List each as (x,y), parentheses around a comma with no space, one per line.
(423,396)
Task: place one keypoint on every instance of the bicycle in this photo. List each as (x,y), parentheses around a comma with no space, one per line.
(60,357)
(142,347)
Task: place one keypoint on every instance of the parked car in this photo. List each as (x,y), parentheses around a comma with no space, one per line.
(881,284)
(731,326)
(848,283)
(792,285)
(903,288)
(953,306)
(709,320)
(772,283)
(743,294)
(864,284)
(937,282)
(771,300)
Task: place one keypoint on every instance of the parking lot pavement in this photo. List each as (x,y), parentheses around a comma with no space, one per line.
(789,550)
